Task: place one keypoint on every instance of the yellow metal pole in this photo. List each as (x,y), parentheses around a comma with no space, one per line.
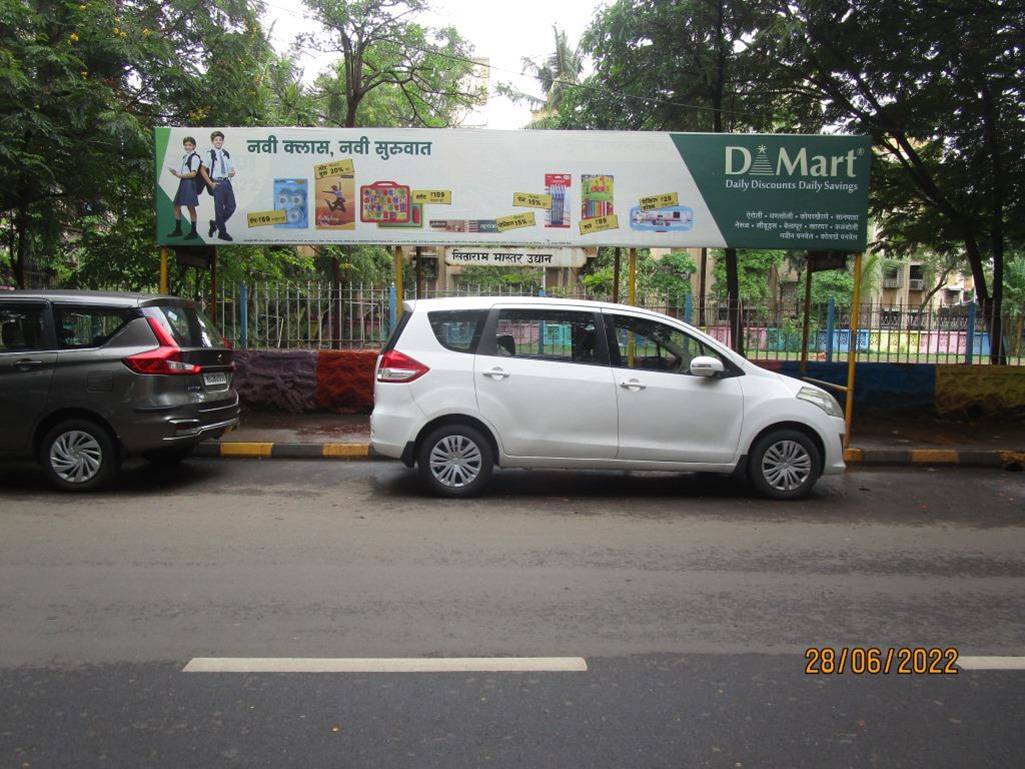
(632,288)
(163,269)
(852,351)
(399,293)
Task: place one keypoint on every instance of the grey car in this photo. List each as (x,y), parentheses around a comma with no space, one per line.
(88,379)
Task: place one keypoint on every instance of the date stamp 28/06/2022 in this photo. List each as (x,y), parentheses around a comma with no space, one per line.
(875,660)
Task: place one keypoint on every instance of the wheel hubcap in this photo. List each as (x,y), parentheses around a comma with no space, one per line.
(76,456)
(455,461)
(786,465)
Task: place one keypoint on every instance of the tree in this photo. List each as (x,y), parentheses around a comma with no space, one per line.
(680,65)
(658,280)
(414,74)
(938,86)
(82,85)
(556,75)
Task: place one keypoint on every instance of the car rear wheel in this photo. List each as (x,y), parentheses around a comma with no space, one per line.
(79,455)
(456,461)
(784,465)
(167,457)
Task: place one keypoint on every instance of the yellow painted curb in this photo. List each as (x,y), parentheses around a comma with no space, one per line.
(1012,457)
(346,450)
(934,456)
(244,449)
(852,455)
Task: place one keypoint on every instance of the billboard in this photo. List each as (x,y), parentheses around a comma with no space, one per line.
(475,187)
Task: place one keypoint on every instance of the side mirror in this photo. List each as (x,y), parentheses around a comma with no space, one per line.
(706,365)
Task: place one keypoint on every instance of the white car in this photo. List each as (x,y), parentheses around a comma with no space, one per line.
(466,384)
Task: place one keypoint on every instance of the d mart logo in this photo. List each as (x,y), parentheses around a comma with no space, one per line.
(739,161)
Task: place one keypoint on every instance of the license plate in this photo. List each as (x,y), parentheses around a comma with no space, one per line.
(219,379)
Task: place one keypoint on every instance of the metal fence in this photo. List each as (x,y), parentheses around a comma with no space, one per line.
(322,315)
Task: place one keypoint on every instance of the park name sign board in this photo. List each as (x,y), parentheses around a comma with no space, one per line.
(477,256)
(548,189)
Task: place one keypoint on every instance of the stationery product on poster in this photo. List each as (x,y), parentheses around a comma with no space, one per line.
(596,195)
(290,196)
(557,185)
(385,202)
(668,219)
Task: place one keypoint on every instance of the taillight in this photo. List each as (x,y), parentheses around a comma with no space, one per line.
(165,359)
(399,367)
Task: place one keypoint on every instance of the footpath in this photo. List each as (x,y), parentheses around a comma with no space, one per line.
(875,441)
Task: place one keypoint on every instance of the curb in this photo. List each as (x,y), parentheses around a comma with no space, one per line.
(270,450)
(1009,460)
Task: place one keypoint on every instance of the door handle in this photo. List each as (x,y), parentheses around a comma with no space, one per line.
(633,384)
(26,363)
(496,373)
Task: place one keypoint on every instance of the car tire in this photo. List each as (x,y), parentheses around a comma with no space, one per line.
(784,464)
(79,455)
(168,457)
(455,461)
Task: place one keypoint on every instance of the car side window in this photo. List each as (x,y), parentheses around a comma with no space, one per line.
(22,326)
(543,334)
(80,327)
(647,345)
(458,330)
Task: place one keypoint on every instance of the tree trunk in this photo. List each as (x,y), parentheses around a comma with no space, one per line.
(21,227)
(989,118)
(701,287)
(733,294)
(732,282)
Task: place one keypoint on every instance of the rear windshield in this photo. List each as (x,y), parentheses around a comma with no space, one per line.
(393,338)
(187,324)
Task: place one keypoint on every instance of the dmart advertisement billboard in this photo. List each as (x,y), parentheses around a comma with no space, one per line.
(460,187)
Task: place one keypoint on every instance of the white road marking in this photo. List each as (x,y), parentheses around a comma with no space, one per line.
(385,665)
(991,663)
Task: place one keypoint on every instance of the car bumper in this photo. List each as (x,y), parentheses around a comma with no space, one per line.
(394,422)
(832,438)
(158,427)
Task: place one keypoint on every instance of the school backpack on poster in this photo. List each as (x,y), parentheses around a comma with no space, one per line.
(197,181)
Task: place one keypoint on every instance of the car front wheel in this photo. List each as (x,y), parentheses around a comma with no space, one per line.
(456,461)
(78,455)
(784,465)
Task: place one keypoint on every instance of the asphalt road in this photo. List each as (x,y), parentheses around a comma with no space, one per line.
(691,602)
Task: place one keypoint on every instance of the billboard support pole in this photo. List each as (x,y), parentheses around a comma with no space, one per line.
(419,274)
(852,350)
(399,288)
(632,287)
(163,269)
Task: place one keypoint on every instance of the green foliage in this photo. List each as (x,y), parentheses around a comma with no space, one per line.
(523,279)
(556,75)
(938,87)
(667,278)
(391,71)
(684,65)
(82,85)
(753,269)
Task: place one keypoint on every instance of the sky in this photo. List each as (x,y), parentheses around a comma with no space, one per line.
(503,33)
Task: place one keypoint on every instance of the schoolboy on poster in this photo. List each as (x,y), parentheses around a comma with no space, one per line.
(186,195)
(218,173)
